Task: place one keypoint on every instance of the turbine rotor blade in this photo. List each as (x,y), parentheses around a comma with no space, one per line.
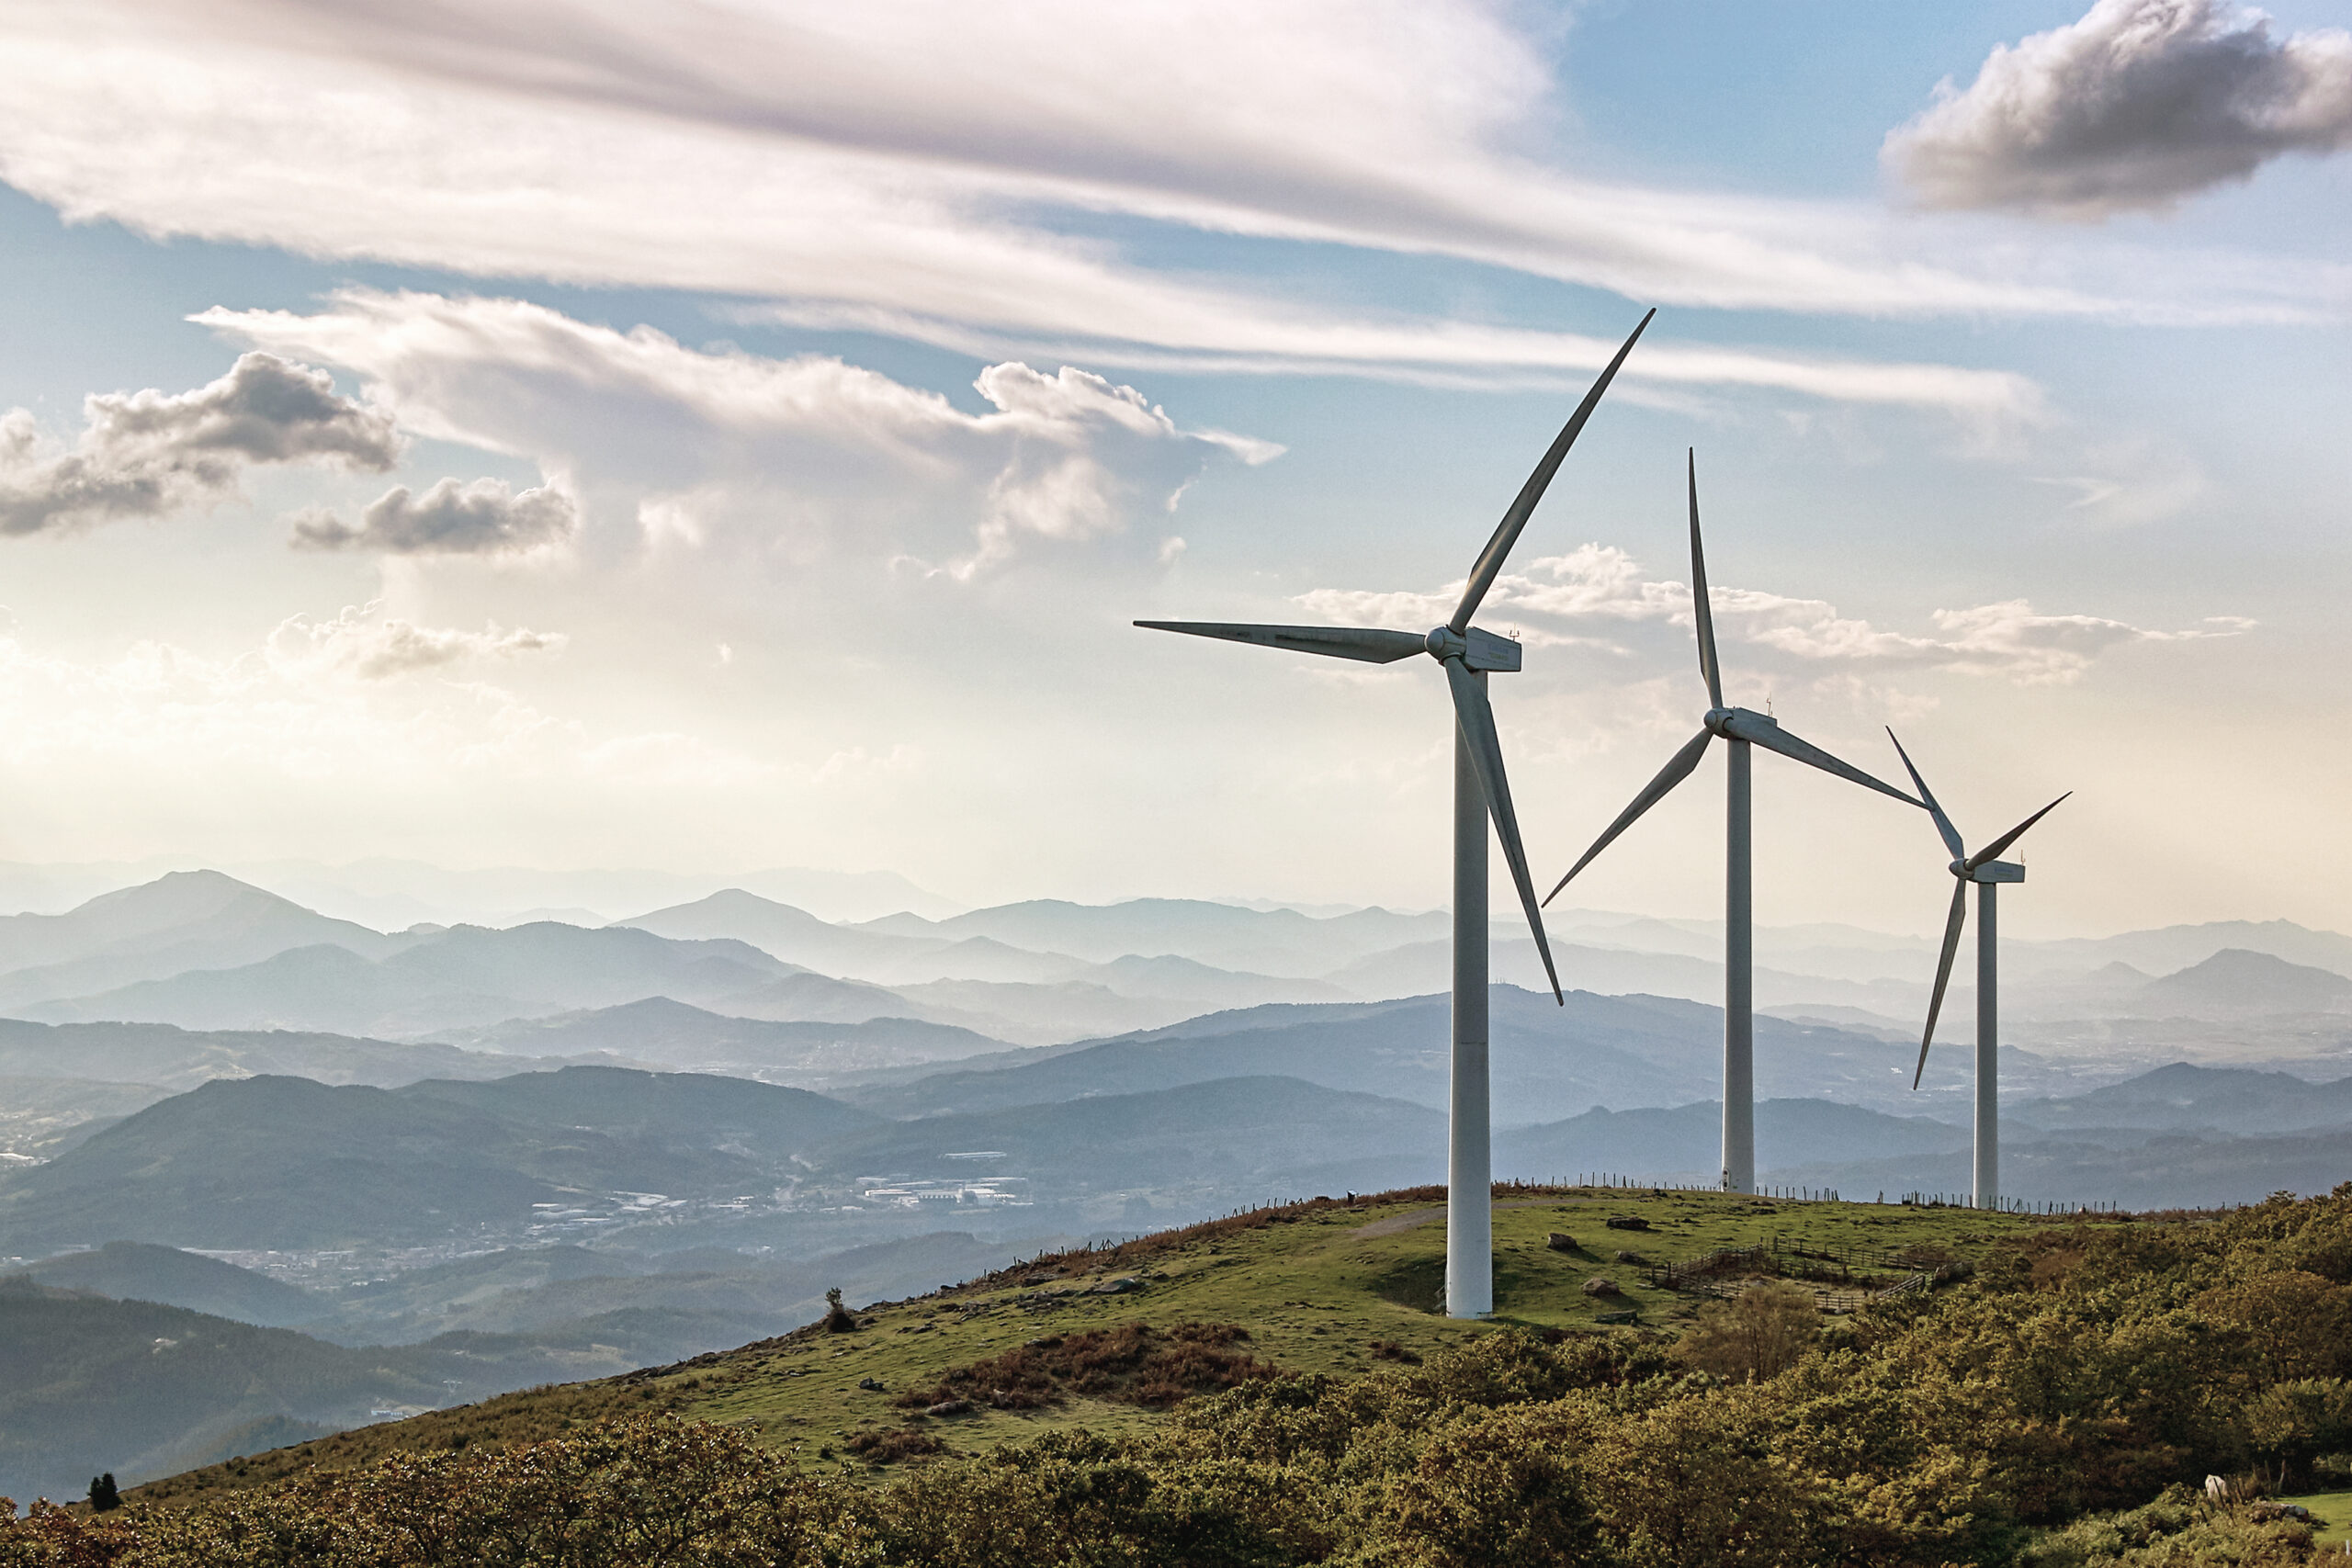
(1676,770)
(1952,922)
(1993,851)
(1477,718)
(1943,823)
(1367,644)
(1709,666)
(1489,564)
(1753,728)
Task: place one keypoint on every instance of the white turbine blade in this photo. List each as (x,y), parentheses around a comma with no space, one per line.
(1709,666)
(1952,922)
(1760,731)
(1489,564)
(1366,644)
(1674,772)
(1478,720)
(1943,824)
(1993,851)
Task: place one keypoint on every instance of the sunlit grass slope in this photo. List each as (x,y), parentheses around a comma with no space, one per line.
(1325,1286)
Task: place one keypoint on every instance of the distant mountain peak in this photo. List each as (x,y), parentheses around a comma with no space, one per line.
(2243,980)
(180,895)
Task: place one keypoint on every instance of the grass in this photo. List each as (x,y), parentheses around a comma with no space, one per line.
(1322,1286)
(2331,1515)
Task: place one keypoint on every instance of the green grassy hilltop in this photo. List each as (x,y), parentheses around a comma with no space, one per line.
(1329,1287)
(1856,1385)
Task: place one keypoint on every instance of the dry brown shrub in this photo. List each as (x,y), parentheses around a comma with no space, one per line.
(1758,1334)
(887,1445)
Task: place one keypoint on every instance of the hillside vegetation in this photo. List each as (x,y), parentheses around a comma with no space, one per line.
(1271,1390)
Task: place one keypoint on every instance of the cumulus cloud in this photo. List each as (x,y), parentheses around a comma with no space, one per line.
(149,454)
(827,452)
(1580,598)
(362,642)
(2136,106)
(485,517)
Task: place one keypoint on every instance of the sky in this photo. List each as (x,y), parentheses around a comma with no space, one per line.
(568,433)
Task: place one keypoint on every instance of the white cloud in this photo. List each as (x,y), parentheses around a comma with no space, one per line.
(362,642)
(485,517)
(1575,599)
(149,454)
(837,452)
(2136,106)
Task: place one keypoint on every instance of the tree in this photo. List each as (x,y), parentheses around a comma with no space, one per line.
(1758,1334)
(839,1319)
(104,1495)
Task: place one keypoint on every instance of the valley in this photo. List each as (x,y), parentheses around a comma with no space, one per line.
(470,1160)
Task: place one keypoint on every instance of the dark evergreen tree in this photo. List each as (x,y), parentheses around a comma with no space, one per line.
(103,1493)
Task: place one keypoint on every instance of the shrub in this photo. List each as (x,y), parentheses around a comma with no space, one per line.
(1757,1334)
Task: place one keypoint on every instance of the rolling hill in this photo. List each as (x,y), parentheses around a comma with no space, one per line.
(1547,1062)
(188,919)
(1183,1147)
(89,1384)
(2236,983)
(2186,1097)
(1279,942)
(277,1162)
(674,1034)
(1684,1144)
(131,1271)
(469,974)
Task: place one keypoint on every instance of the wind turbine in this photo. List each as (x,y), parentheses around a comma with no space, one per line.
(1987,871)
(1742,727)
(1480,792)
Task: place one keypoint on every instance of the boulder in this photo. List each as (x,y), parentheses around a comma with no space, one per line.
(1602,1286)
(1626,1223)
(1560,1241)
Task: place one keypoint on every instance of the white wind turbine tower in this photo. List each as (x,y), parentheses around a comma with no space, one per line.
(1987,871)
(1480,792)
(1742,727)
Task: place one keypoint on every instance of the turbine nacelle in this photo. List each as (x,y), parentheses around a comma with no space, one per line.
(1476,646)
(1990,871)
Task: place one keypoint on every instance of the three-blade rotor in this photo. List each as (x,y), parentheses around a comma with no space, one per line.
(1965,868)
(1466,651)
(1732,724)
